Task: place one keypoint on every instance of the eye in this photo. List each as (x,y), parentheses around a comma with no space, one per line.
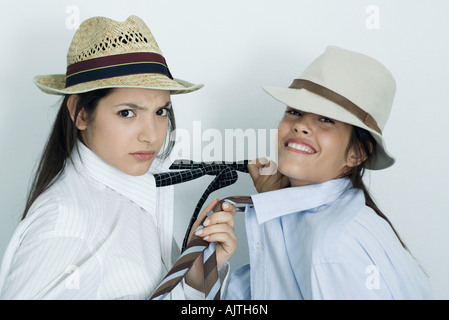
(294,112)
(127,113)
(162,112)
(327,120)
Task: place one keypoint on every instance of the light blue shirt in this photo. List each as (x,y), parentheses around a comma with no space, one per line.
(322,242)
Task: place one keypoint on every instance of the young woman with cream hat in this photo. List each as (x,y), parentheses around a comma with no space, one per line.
(95,226)
(323,237)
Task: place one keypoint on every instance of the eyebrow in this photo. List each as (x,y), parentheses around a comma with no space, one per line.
(137,107)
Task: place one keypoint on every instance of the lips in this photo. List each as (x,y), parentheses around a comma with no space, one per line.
(143,155)
(299,146)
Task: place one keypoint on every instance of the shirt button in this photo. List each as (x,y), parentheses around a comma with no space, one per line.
(257,245)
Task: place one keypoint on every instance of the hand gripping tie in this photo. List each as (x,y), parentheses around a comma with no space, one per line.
(226,174)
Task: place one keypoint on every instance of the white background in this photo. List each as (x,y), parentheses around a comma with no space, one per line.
(235,47)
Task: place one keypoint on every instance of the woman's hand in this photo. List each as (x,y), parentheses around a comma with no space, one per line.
(266,176)
(219,228)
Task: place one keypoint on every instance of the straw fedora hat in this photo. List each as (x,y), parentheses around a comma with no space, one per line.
(346,86)
(105,53)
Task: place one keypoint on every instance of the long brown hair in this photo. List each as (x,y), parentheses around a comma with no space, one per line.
(364,144)
(63,138)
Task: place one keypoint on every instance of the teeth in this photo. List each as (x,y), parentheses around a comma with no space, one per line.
(300,147)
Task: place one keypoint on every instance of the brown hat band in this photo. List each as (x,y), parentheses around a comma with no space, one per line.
(333,96)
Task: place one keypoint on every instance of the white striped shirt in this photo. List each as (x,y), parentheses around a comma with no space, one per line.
(96,233)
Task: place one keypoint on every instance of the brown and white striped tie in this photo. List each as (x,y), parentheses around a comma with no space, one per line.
(195,247)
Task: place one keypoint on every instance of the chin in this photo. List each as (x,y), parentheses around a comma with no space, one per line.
(136,171)
(297,176)
(291,169)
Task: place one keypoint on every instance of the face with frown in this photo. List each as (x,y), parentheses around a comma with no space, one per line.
(128,127)
(312,148)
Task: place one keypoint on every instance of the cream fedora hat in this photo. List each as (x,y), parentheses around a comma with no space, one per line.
(105,53)
(349,87)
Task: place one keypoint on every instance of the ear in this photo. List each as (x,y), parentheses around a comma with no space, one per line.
(356,156)
(81,120)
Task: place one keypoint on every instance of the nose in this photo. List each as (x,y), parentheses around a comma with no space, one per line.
(304,125)
(147,131)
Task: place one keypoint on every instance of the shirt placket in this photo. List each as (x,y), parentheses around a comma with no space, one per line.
(257,256)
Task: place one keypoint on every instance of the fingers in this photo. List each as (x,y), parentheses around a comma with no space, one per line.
(219,228)
(218,222)
(202,216)
(259,167)
(254,168)
(221,217)
(209,207)
(228,207)
(265,175)
(225,216)
(217,233)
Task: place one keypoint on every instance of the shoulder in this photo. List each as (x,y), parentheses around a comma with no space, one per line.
(72,206)
(346,227)
(347,244)
(351,232)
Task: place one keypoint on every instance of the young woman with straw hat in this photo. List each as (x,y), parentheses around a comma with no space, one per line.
(95,226)
(324,237)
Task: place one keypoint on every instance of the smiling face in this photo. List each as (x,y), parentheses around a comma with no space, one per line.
(312,148)
(128,129)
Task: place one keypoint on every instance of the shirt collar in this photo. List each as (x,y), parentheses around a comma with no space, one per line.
(139,189)
(273,204)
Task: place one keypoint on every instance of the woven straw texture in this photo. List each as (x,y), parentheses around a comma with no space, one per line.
(100,37)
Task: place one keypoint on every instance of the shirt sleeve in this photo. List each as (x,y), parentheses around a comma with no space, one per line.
(52,268)
(42,262)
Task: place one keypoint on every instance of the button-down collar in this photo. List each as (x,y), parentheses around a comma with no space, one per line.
(273,204)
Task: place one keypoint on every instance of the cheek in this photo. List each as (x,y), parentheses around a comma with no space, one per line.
(106,134)
(162,131)
(283,130)
(111,132)
(335,150)
(159,134)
